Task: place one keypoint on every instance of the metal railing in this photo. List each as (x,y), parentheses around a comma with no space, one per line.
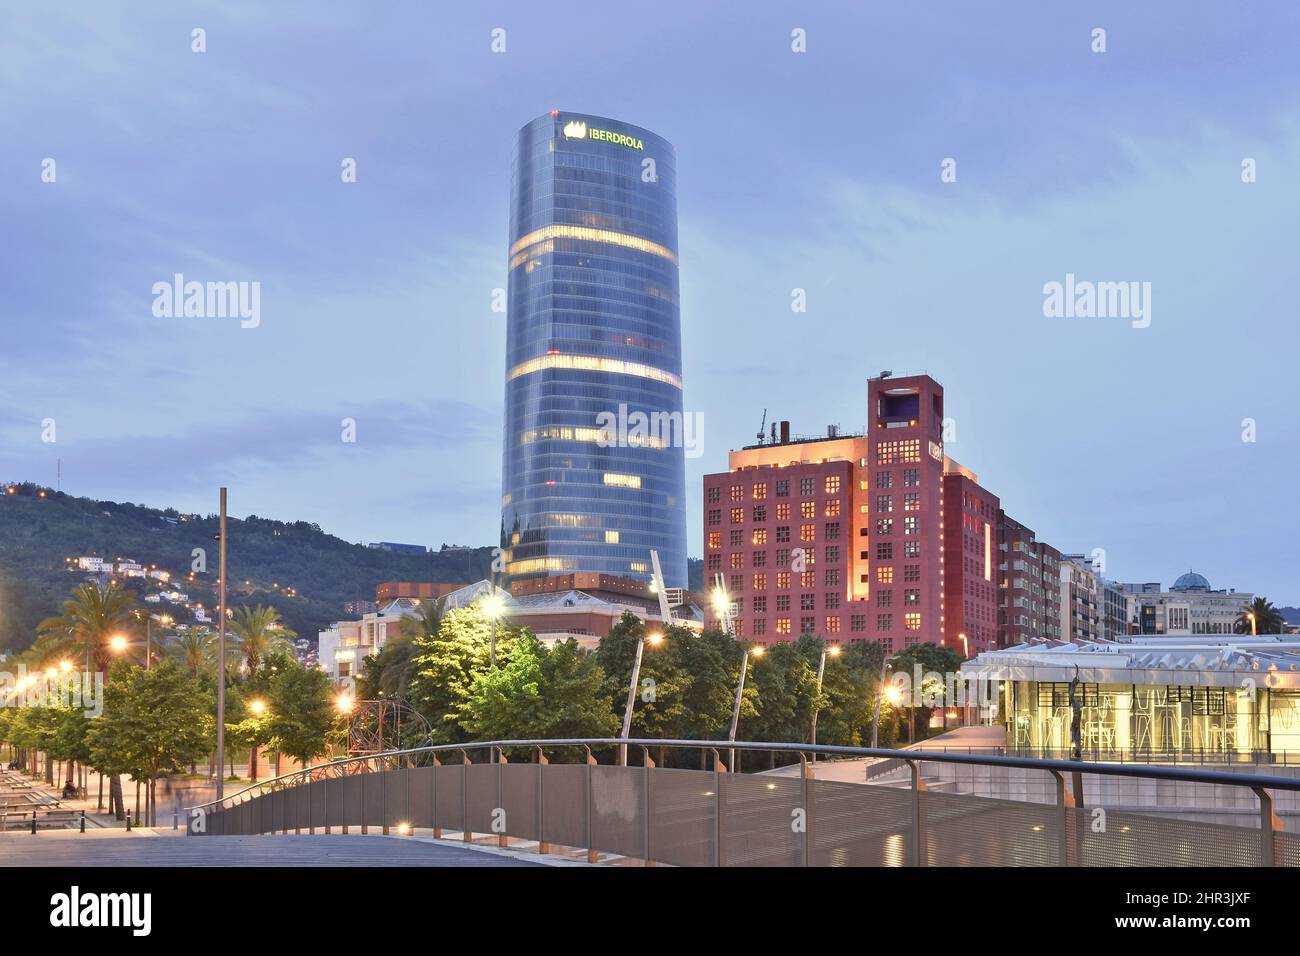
(713,817)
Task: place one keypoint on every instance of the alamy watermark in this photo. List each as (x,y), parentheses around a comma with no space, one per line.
(1083,299)
(208,300)
(81,690)
(624,429)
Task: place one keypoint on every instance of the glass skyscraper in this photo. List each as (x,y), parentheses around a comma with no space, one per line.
(593,473)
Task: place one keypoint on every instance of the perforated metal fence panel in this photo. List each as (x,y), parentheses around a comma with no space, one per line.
(1132,839)
(859,825)
(763,821)
(564,805)
(618,810)
(316,793)
(396,797)
(1286,846)
(449,797)
(372,798)
(421,784)
(519,799)
(977,831)
(483,797)
(683,815)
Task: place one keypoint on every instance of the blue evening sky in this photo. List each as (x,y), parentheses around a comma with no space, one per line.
(817,171)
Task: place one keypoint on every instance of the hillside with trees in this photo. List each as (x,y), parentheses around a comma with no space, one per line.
(306,573)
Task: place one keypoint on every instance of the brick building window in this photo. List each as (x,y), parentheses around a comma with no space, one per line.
(715,516)
(807,509)
(807,487)
(737,492)
(783,488)
(760,536)
(884,622)
(832,531)
(714,495)
(912,621)
(760,490)
(885,574)
(782,603)
(782,626)
(832,484)
(737,515)
(715,539)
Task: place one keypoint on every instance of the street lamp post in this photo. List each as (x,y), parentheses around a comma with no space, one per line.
(757,651)
(834,651)
(880,692)
(221,657)
(493,606)
(631,693)
(1251,615)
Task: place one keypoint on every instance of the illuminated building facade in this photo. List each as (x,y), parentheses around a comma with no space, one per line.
(593,473)
(878,536)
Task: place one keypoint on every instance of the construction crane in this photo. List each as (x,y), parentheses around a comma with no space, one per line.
(761,426)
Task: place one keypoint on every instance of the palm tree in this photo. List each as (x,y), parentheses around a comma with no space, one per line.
(258,632)
(91,618)
(1268,620)
(194,650)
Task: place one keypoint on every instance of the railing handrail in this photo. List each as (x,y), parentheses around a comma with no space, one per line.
(1227,778)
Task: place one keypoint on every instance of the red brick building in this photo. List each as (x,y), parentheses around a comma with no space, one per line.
(850,536)
(970,584)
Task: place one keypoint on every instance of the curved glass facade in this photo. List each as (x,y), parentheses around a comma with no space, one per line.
(593,344)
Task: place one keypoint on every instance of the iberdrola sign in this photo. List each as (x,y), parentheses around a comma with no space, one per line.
(577,129)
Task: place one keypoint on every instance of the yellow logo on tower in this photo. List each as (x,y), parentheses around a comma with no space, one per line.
(577,129)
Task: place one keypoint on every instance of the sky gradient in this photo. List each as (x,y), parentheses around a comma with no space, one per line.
(817,171)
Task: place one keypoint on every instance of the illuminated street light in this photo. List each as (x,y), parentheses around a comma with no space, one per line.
(344,703)
(757,651)
(257,706)
(834,651)
(117,644)
(652,638)
(65,665)
(494,605)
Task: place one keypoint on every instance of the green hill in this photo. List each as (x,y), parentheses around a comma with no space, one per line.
(41,528)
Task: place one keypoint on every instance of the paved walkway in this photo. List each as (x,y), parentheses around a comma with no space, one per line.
(149,848)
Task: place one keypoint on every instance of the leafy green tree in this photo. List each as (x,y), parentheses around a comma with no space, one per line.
(301,713)
(1268,620)
(153,721)
(70,740)
(660,706)
(445,665)
(786,687)
(539,693)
